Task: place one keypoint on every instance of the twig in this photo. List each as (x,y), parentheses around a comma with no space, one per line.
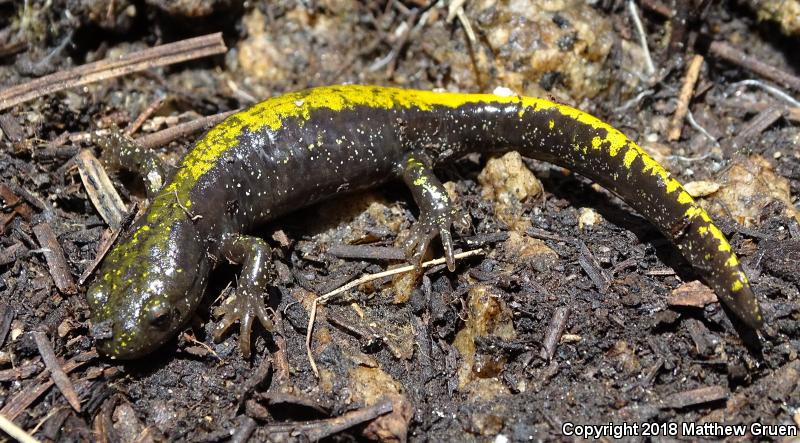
(15,431)
(367,278)
(760,123)
(687,90)
(637,22)
(554,330)
(592,268)
(136,124)
(57,374)
(697,396)
(165,136)
(244,431)
(732,55)
(366,252)
(456,9)
(104,69)
(107,239)
(319,429)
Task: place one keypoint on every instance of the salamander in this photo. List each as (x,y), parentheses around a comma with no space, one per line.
(293,150)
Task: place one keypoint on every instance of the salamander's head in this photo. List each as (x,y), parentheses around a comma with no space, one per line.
(147,288)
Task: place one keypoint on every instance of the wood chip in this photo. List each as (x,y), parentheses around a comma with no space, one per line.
(100,190)
(701,336)
(20,402)
(694,294)
(6,317)
(20,372)
(794,115)
(697,396)
(55,258)
(15,203)
(12,130)
(57,374)
(12,253)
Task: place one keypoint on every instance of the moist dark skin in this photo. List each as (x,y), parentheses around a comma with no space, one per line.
(294,150)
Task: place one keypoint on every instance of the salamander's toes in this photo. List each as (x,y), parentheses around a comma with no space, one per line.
(243,306)
(429,226)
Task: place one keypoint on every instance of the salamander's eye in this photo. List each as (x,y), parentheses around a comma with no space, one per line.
(158,316)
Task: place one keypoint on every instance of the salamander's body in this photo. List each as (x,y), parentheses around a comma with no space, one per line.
(293,150)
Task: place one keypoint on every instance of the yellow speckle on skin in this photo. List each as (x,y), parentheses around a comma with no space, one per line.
(693,211)
(672,186)
(616,140)
(737,286)
(685,199)
(596,142)
(732,261)
(743,277)
(551,124)
(723,246)
(630,156)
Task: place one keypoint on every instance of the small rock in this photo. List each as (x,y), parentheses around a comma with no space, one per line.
(372,385)
(751,185)
(508,182)
(693,294)
(588,217)
(625,355)
(530,251)
(489,316)
(701,188)
(785,12)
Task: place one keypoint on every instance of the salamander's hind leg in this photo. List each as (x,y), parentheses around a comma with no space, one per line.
(248,300)
(123,151)
(437,213)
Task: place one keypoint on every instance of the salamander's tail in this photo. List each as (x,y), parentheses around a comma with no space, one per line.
(578,141)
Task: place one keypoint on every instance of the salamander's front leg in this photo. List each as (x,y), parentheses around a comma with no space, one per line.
(437,213)
(123,151)
(248,300)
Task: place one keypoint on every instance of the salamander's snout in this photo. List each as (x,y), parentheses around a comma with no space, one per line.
(146,289)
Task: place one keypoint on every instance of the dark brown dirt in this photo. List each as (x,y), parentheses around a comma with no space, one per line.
(624,355)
